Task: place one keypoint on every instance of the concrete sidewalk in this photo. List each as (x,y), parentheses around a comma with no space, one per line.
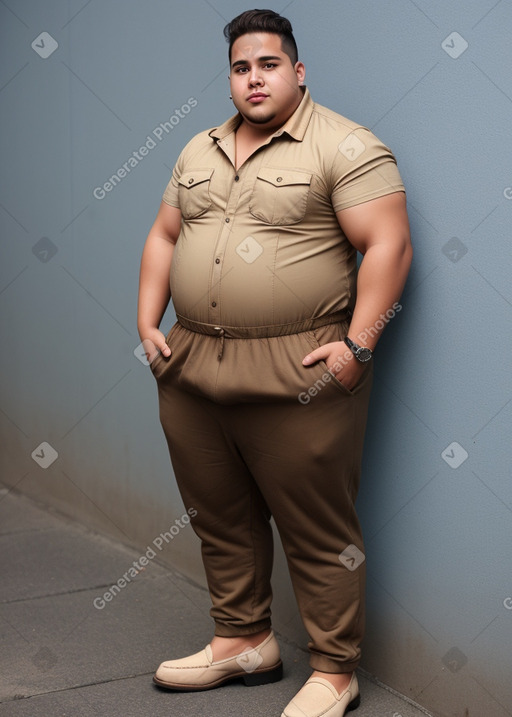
(62,655)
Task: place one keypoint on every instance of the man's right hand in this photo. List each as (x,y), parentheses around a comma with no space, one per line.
(153,341)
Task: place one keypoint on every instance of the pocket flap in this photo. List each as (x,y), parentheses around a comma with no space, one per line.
(284,177)
(191,179)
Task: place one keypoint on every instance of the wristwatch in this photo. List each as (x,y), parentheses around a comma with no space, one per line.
(362,353)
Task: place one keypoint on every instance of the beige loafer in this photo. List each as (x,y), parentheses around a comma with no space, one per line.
(319,697)
(254,665)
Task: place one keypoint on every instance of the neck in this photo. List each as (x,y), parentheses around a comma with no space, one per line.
(253,133)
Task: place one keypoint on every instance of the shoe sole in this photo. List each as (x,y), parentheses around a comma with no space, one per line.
(250,679)
(354,704)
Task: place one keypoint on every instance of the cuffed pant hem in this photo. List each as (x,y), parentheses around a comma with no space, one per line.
(223,630)
(326,664)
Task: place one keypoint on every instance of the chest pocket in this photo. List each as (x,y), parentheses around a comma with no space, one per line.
(194,193)
(280,196)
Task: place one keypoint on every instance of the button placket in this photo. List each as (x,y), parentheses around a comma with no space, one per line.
(220,250)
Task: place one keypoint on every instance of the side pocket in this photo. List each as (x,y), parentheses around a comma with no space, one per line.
(338,384)
(160,364)
(325,335)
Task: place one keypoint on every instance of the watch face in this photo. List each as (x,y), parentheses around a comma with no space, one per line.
(363,354)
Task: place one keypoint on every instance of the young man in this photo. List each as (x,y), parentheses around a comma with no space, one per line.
(264,380)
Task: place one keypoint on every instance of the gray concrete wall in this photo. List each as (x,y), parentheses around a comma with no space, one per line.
(436,496)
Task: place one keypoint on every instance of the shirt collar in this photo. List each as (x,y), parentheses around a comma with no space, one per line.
(295,126)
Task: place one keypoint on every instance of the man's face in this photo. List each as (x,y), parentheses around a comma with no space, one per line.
(265,86)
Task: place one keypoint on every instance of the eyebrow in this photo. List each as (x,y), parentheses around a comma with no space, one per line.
(266,58)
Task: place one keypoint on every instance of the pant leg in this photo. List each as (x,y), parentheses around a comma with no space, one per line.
(299,434)
(306,459)
(232,519)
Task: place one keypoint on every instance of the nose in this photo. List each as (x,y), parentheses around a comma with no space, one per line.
(254,77)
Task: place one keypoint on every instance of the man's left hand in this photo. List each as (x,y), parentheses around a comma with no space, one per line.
(340,361)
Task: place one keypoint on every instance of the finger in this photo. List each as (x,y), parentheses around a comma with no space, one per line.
(152,350)
(315,355)
(161,344)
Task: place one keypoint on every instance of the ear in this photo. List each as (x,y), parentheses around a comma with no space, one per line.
(300,71)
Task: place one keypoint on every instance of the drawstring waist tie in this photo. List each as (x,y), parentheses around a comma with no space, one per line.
(258,332)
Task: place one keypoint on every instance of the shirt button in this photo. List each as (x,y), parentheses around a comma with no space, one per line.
(214,304)
(191,181)
(279,179)
(237,178)
(227,220)
(217,261)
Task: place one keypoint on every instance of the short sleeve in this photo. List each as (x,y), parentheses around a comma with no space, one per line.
(363,169)
(170,195)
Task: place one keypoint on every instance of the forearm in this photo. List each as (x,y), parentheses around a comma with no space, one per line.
(380,283)
(154,289)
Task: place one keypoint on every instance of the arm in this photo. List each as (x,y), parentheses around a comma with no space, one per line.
(154,290)
(379,229)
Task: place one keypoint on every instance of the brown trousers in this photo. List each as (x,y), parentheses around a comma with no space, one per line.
(253,433)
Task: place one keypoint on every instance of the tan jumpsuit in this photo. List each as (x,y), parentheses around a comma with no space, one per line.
(262,274)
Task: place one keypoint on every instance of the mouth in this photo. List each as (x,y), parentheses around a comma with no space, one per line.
(257,97)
